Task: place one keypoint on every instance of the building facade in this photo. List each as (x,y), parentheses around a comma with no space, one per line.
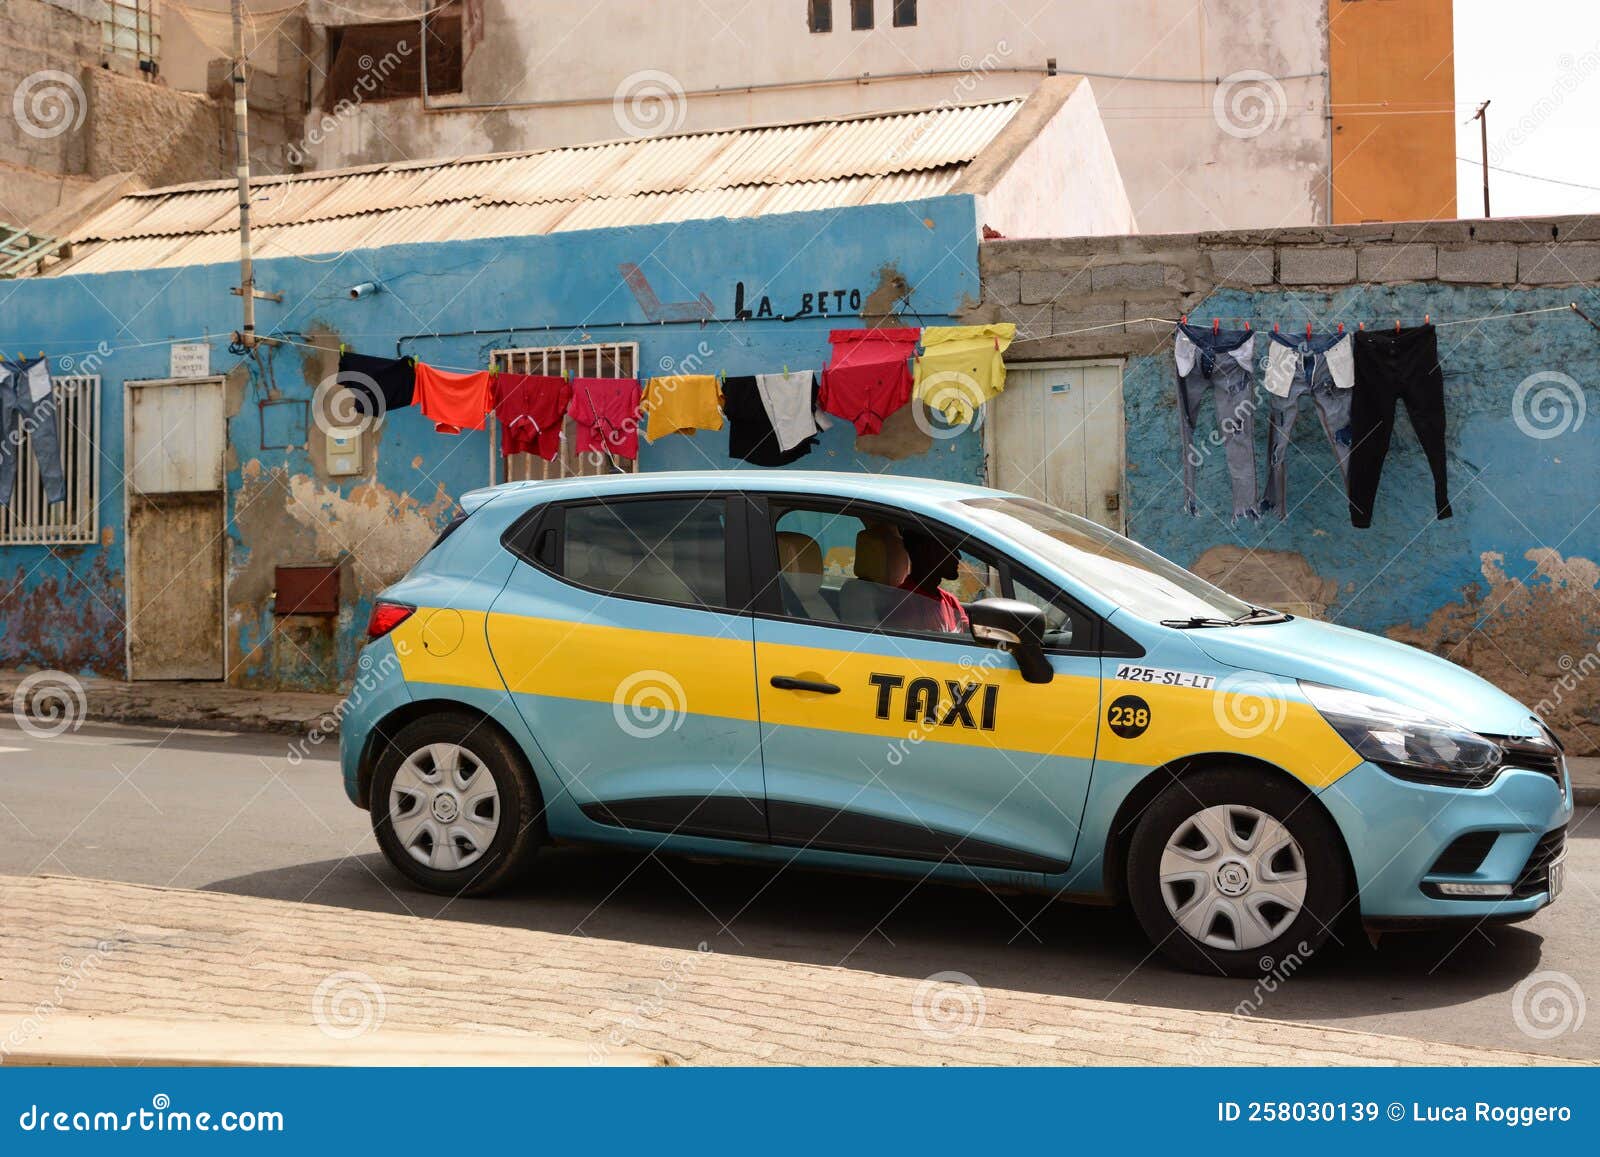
(1223,114)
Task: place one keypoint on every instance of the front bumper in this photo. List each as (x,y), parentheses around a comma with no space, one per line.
(1397,831)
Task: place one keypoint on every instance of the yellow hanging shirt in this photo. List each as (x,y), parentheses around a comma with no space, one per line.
(681,404)
(961,368)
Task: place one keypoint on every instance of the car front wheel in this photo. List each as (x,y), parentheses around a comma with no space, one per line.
(1236,872)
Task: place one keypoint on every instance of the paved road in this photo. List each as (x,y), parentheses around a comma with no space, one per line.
(232,813)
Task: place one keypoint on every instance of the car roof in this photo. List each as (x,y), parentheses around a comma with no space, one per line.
(835,483)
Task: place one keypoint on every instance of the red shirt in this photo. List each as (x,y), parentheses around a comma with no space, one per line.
(606,411)
(931,610)
(869,377)
(530,408)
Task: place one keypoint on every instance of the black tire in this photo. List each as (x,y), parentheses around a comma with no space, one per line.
(1327,886)
(520,811)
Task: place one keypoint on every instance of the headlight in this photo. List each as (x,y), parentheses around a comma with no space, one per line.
(1409,743)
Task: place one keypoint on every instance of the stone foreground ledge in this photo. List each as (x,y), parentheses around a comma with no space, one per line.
(74,947)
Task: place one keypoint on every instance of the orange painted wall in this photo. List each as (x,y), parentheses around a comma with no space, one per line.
(1392,73)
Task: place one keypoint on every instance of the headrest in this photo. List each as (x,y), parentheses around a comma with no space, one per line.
(880,557)
(798,553)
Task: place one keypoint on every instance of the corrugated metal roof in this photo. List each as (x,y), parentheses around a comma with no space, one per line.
(729,173)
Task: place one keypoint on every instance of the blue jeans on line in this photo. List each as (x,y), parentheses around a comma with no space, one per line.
(21,415)
(1222,361)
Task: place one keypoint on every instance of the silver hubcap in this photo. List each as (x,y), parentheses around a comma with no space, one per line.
(1233,877)
(444,807)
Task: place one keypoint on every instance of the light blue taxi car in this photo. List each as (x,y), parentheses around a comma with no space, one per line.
(939,681)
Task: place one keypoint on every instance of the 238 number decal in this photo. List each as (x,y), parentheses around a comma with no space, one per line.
(1129,717)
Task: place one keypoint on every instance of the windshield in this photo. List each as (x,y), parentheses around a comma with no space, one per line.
(1134,578)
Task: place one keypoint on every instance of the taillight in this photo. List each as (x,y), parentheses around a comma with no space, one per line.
(386,616)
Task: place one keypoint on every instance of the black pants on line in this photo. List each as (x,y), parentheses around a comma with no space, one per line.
(1395,366)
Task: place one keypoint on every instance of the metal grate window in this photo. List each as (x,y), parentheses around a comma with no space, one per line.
(614,360)
(28,518)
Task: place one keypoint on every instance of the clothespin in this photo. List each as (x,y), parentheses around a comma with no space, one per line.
(1247,325)
(1274,327)
(1341,327)
(1363,326)
(1427,319)
(1183,319)
(1397,325)
(1216,325)
(1308,331)
(341,348)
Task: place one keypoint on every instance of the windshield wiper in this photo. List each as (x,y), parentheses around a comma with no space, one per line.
(1262,615)
(1253,615)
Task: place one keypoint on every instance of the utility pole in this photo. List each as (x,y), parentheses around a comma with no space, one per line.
(1482,117)
(241,145)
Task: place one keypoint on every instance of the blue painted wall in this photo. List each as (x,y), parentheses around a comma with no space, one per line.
(1510,491)
(63,606)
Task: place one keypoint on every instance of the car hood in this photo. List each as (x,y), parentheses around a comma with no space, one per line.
(1341,657)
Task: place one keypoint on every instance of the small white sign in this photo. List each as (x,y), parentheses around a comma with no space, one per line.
(191,359)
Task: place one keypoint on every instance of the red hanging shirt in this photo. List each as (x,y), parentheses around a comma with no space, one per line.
(530,408)
(606,411)
(455,402)
(869,377)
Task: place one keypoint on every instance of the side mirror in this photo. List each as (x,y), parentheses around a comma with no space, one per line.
(1016,628)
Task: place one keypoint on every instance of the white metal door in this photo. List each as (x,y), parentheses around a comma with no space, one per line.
(174,441)
(1055,434)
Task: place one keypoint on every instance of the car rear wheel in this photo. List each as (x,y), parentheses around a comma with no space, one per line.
(1235,871)
(454,805)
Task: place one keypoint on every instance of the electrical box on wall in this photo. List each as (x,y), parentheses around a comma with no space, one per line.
(344,451)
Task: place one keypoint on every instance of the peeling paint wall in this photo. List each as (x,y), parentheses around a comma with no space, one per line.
(1508,586)
(914,263)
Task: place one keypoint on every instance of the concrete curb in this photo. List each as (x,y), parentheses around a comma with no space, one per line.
(173,954)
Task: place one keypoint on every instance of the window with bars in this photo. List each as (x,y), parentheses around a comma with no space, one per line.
(29,518)
(606,360)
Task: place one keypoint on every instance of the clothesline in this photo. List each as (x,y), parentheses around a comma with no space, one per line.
(1570,307)
(105,350)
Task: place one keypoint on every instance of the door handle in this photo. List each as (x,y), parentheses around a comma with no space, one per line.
(790,683)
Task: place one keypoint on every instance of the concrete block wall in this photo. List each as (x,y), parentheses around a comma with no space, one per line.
(1510,586)
(163,136)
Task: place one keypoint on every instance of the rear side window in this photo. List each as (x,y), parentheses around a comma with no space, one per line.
(668,549)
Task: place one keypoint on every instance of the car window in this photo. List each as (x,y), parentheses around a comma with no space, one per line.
(669,549)
(1065,628)
(896,575)
(1148,585)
